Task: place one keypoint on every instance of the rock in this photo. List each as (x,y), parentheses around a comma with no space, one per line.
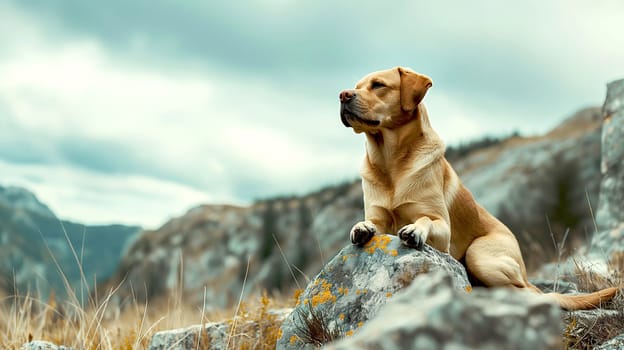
(589,328)
(432,314)
(42,345)
(616,343)
(610,216)
(356,283)
(214,335)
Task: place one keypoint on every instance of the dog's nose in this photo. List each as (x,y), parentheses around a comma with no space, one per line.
(346,95)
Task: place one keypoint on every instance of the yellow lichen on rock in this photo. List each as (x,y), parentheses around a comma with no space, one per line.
(341,317)
(324,295)
(293,339)
(378,242)
(297,296)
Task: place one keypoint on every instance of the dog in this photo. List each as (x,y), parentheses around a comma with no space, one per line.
(411,190)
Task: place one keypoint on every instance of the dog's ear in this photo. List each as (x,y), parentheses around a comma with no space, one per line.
(414,86)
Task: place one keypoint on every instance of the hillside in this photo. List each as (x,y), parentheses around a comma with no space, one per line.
(31,235)
(523,180)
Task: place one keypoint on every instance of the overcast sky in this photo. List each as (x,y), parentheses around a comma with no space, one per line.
(134,111)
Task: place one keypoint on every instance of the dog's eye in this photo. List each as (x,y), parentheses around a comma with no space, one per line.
(377,85)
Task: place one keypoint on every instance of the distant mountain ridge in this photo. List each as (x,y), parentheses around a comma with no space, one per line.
(21,199)
(31,237)
(529,182)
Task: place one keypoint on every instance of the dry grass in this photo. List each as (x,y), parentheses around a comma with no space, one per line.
(100,323)
(313,327)
(256,327)
(587,329)
(104,326)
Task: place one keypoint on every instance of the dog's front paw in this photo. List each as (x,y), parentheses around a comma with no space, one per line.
(362,232)
(413,236)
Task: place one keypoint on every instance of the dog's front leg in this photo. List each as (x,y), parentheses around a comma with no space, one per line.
(436,233)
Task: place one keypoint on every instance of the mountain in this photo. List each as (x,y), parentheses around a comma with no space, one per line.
(32,238)
(537,185)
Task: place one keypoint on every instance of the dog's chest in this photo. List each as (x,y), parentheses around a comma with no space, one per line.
(398,199)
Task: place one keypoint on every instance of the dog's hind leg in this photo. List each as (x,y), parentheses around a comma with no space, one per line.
(495,261)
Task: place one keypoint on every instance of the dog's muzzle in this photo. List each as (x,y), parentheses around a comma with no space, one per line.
(347,97)
(344,114)
(347,117)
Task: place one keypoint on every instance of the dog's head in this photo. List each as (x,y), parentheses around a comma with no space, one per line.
(384,99)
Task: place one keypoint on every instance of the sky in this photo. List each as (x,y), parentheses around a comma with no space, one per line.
(135,111)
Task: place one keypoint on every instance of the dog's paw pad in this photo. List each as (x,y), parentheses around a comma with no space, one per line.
(411,237)
(362,232)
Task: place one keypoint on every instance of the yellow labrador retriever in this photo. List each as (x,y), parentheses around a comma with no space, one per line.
(411,190)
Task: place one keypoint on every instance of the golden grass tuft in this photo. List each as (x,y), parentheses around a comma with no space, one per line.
(106,327)
(256,327)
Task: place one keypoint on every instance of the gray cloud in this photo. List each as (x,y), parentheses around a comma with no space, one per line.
(523,55)
(240,99)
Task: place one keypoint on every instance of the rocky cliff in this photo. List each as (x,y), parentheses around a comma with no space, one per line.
(610,216)
(32,238)
(535,184)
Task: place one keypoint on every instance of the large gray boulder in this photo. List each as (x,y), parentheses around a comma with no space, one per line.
(432,314)
(610,216)
(355,284)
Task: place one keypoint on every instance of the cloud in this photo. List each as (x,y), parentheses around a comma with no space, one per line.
(235,102)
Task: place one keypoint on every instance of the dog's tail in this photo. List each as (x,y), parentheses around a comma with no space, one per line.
(583,301)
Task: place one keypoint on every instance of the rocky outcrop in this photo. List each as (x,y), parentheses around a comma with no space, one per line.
(211,245)
(282,240)
(356,283)
(32,238)
(610,216)
(432,314)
